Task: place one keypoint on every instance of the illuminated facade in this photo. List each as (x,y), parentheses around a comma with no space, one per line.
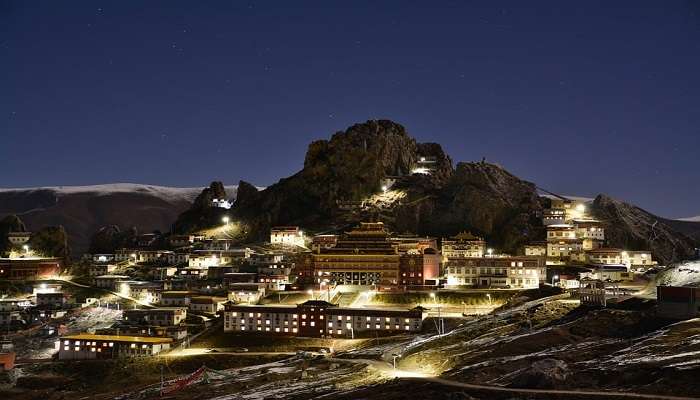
(463,245)
(317,318)
(91,347)
(504,272)
(287,236)
(363,256)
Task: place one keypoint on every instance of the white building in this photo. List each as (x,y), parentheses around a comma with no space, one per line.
(503,272)
(287,235)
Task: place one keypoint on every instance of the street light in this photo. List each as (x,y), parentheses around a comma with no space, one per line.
(395,356)
(490,252)
(488,296)
(26,249)
(225,220)
(553,278)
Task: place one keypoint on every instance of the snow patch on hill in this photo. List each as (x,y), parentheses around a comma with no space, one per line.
(686,273)
(174,193)
(690,219)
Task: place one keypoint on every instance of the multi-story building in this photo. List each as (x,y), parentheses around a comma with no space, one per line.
(363,256)
(162,316)
(206,304)
(287,235)
(316,318)
(537,249)
(176,298)
(30,268)
(463,245)
(249,293)
(89,347)
(109,281)
(504,272)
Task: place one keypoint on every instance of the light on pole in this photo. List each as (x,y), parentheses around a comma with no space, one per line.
(553,278)
(395,356)
(490,252)
(26,249)
(225,220)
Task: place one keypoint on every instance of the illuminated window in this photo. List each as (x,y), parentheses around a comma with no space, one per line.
(77,348)
(111,344)
(313,323)
(66,348)
(242,328)
(133,345)
(294,330)
(340,332)
(330,324)
(407,327)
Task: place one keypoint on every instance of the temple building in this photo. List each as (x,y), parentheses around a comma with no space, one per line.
(363,256)
(463,245)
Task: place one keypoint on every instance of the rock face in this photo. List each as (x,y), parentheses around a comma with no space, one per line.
(488,200)
(630,227)
(351,166)
(203,213)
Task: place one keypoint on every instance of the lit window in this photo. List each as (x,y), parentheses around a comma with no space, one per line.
(294,330)
(340,332)
(77,348)
(313,323)
(66,348)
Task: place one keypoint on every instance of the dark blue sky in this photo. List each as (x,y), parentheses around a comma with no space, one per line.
(579,97)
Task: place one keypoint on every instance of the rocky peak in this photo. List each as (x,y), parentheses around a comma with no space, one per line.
(214,191)
(247,194)
(630,227)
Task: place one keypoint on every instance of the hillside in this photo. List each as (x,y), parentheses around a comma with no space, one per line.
(82,210)
(377,171)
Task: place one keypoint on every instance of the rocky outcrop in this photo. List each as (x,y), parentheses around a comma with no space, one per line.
(629,227)
(483,198)
(203,214)
(215,191)
(351,166)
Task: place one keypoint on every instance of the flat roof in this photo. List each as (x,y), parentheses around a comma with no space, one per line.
(118,338)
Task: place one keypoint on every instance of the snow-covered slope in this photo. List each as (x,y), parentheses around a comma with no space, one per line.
(187,194)
(82,210)
(690,219)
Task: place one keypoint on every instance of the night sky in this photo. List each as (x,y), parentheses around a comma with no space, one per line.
(580,97)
